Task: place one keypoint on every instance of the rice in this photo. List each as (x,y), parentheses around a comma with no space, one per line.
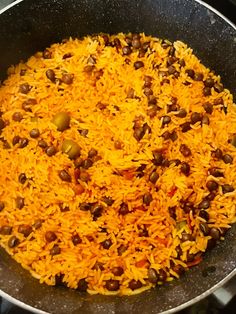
(102,223)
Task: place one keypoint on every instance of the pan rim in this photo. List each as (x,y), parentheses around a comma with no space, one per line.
(198,298)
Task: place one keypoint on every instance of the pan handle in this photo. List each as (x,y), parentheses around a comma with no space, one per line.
(225,294)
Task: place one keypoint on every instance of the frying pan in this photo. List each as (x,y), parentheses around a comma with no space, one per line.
(28,26)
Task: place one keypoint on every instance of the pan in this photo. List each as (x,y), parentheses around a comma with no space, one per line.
(28,26)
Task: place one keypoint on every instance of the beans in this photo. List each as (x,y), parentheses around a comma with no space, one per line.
(185,127)
(61,121)
(147,81)
(27,105)
(2,205)
(195,117)
(217,153)
(85,206)
(208,107)
(67,55)
(89,68)
(2,124)
(118,271)
(139,133)
(106,244)
(138,65)
(136,43)
(186,237)
(5,230)
(34,133)
(188,207)
(182,113)
(126,50)
(148,91)
(215,172)
(209,82)
(218,88)
(206,91)
(25,230)
(112,285)
(63,208)
(204,214)
(145,46)
(50,236)
(47,54)
(152,275)
(124,209)
(55,250)
(17,116)
(22,178)
(158,158)
(51,75)
(171,69)
(210,197)
(108,200)
(152,100)
(83,132)
(147,198)
(87,163)
(154,176)
(71,148)
(215,233)
(20,202)
(67,78)
(185,150)
(24,88)
(185,168)
(38,224)
(204,204)
(227,188)
(98,266)
(23,142)
(198,76)
(135,284)
(96,211)
(121,249)
(82,285)
(15,140)
(228,159)
(162,275)
(166,120)
(212,185)
(182,62)
(13,242)
(64,175)
(190,73)
(204,228)
(84,176)
(51,151)
(205,119)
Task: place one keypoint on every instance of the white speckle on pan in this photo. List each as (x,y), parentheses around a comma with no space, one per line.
(211,17)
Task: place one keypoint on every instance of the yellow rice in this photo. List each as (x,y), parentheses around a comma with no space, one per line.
(114,174)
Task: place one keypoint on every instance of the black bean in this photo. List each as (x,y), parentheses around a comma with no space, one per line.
(172,212)
(87,163)
(152,111)
(2,124)
(51,151)
(47,54)
(153,177)
(218,88)
(67,55)
(172,51)
(185,168)
(92,153)
(209,82)
(63,208)
(146,45)
(210,197)
(195,117)
(185,150)
(147,91)
(84,176)
(117,271)
(23,142)
(186,237)
(2,205)
(190,73)
(15,140)
(188,207)
(171,69)
(67,78)
(182,113)
(83,132)
(182,62)
(139,133)
(135,284)
(5,230)
(215,172)
(76,239)
(42,144)
(136,43)
(50,236)
(22,178)
(124,209)
(108,200)
(198,76)
(227,188)
(106,244)
(204,214)
(152,100)
(24,88)
(106,40)
(166,120)
(98,266)
(147,81)
(166,135)
(13,242)
(147,198)
(215,233)
(204,228)
(51,75)
(64,175)
(82,285)
(212,185)
(25,229)
(158,158)
(17,116)
(112,285)
(176,162)
(55,250)
(20,202)
(121,249)
(218,101)
(96,211)
(185,127)
(38,224)
(153,275)
(126,50)
(173,136)
(138,65)
(206,91)
(228,159)
(204,204)
(205,119)
(85,206)
(217,153)
(208,107)
(34,133)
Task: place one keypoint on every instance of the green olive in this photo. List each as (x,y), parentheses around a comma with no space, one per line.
(61,121)
(71,148)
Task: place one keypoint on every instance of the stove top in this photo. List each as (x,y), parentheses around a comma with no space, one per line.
(224,300)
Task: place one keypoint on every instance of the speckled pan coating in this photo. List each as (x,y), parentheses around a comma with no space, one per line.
(32,25)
